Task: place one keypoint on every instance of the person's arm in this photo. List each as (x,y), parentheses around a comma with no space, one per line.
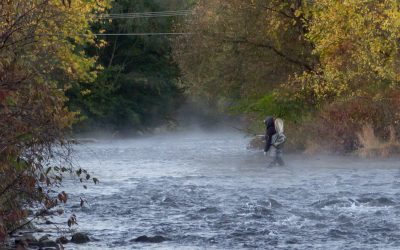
(267,143)
(268,137)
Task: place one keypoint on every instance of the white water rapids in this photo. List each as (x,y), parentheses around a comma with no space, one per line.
(207,191)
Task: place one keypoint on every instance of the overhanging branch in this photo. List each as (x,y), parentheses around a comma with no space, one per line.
(272,48)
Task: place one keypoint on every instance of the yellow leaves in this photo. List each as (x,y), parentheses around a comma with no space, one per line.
(298,13)
(58,31)
(356,41)
(99,67)
(85,92)
(101,43)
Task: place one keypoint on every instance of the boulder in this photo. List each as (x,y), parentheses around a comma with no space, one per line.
(292,241)
(43,238)
(82,140)
(154,239)
(62,240)
(48,222)
(26,239)
(80,238)
(48,244)
(44,212)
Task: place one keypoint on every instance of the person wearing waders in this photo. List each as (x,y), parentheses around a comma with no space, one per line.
(274,140)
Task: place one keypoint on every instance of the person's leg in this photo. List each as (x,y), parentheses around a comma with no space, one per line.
(272,156)
(273,162)
(280,161)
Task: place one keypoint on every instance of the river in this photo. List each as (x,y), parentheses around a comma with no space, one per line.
(207,191)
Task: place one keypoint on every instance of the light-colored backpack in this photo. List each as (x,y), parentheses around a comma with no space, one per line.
(279,138)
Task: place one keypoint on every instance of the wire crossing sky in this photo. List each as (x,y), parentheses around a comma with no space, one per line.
(145,14)
(141,34)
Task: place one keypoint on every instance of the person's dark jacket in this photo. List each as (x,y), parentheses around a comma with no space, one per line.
(269,132)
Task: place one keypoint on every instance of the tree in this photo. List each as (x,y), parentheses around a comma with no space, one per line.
(242,49)
(357,43)
(40,55)
(356,83)
(139,86)
(296,59)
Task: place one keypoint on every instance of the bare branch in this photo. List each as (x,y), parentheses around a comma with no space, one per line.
(272,48)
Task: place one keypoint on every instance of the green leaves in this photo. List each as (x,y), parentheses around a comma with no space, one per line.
(138,87)
(18,163)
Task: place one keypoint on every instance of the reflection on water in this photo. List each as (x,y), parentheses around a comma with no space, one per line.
(206,191)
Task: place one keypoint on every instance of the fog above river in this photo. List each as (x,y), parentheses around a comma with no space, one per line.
(207,190)
(196,151)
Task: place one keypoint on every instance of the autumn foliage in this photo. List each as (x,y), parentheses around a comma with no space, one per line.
(41,53)
(328,67)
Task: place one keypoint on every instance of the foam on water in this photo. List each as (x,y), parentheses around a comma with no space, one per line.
(205,190)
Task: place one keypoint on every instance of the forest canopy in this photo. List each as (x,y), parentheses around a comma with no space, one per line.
(138,87)
(329,68)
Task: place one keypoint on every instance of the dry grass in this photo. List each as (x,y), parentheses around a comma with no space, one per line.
(372,146)
(312,148)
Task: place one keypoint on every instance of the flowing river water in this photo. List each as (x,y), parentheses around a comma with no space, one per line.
(207,191)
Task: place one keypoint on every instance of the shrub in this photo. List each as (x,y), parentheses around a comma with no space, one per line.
(359,122)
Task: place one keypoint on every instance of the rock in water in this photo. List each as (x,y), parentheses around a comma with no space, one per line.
(62,240)
(48,244)
(43,238)
(48,222)
(292,241)
(26,240)
(79,238)
(154,239)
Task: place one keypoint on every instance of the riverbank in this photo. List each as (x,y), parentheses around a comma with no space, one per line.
(369,146)
(45,231)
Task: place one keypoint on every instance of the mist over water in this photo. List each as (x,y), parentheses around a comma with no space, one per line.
(205,190)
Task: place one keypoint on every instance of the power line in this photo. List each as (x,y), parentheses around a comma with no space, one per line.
(141,34)
(145,14)
(135,17)
(149,13)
